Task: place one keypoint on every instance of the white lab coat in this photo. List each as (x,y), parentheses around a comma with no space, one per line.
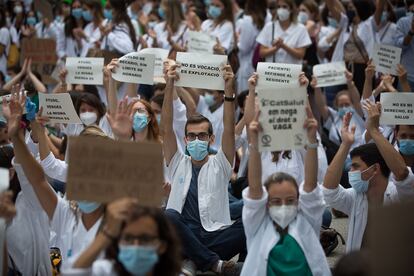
(55,168)
(213,201)
(93,34)
(119,40)
(355,205)
(28,233)
(261,235)
(295,36)
(103,267)
(224,32)
(383,34)
(179,37)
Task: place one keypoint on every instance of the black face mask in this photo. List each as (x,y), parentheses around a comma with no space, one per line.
(351,15)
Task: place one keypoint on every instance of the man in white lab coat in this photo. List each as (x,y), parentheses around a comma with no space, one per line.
(369,177)
(198,204)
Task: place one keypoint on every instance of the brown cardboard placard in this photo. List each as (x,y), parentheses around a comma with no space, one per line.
(103,170)
(391,240)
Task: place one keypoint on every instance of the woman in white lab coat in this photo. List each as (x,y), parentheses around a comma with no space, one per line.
(281,219)
(92,14)
(220,25)
(248,27)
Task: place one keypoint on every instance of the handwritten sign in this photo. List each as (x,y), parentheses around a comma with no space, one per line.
(103,170)
(282,115)
(397,108)
(59,108)
(203,71)
(330,74)
(386,58)
(273,75)
(42,51)
(84,70)
(160,56)
(135,68)
(199,42)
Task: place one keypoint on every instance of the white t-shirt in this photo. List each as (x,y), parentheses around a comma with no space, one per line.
(179,37)
(5,41)
(383,34)
(93,34)
(296,36)
(224,32)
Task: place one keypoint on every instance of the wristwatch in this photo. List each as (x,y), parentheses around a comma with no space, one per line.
(230,99)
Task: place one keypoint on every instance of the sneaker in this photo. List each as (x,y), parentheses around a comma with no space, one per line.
(189,268)
(231,268)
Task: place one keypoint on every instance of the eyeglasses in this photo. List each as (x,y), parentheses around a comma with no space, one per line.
(202,136)
(141,111)
(142,240)
(280,201)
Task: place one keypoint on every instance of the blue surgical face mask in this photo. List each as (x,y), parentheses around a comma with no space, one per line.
(197,149)
(88,207)
(140,122)
(184,7)
(343,110)
(332,22)
(137,260)
(39,15)
(384,17)
(77,13)
(356,181)
(406,146)
(7,78)
(207,3)
(158,117)
(87,16)
(151,24)
(31,21)
(161,12)
(214,11)
(108,14)
(209,99)
(58,18)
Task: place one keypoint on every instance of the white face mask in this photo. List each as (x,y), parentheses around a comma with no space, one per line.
(303,17)
(18,9)
(283,14)
(283,215)
(88,118)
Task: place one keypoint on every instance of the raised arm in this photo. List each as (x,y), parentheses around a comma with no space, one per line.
(369,75)
(354,94)
(111,93)
(379,8)
(187,99)
(39,86)
(249,109)
(334,171)
(228,139)
(31,167)
(255,161)
(320,100)
(169,139)
(392,158)
(16,79)
(402,77)
(311,159)
(39,131)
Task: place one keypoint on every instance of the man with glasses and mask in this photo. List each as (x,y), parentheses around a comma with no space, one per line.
(198,204)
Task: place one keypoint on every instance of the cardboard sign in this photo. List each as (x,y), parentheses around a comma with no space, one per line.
(397,108)
(160,56)
(84,70)
(391,252)
(203,71)
(273,75)
(59,108)
(282,115)
(103,170)
(330,74)
(386,58)
(135,68)
(199,42)
(42,51)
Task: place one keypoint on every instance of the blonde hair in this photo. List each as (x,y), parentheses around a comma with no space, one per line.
(93,131)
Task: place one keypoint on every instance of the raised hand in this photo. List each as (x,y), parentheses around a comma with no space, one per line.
(229,80)
(311,125)
(314,82)
(118,212)
(303,80)
(254,129)
(253,81)
(374,112)
(16,107)
(121,122)
(370,70)
(218,48)
(401,72)
(349,77)
(347,132)
(111,68)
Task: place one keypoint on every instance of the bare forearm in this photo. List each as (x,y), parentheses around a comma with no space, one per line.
(334,171)
(367,90)
(311,168)
(356,100)
(86,259)
(321,103)
(298,53)
(37,83)
(170,142)
(255,171)
(16,79)
(240,126)
(228,132)
(187,100)
(112,97)
(267,51)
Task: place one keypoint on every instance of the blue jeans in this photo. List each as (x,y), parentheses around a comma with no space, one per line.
(327,218)
(206,248)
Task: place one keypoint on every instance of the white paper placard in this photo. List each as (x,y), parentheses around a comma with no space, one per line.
(386,58)
(199,42)
(85,70)
(160,56)
(4,179)
(135,68)
(282,115)
(203,71)
(274,75)
(59,108)
(330,74)
(397,108)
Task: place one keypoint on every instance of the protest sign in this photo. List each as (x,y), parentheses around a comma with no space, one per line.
(160,56)
(199,42)
(135,68)
(386,58)
(103,170)
(59,108)
(42,51)
(282,115)
(397,108)
(203,71)
(330,74)
(84,70)
(273,75)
